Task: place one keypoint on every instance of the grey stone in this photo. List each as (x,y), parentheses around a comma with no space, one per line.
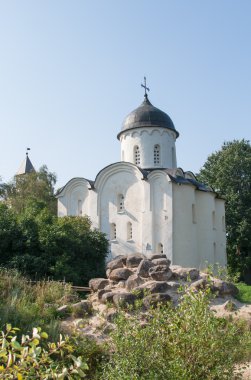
(124,299)
(107,297)
(122,284)
(133,281)
(108,271)
(224,288)
(134,260)
(120,274)
(116,263)
(153,300)
(155,256)
(174,285)
(81,308)
(143,268)
(159,287)
(199,284)
(165,262)
(98,283)
(101,292)
(185,273)
(160,273)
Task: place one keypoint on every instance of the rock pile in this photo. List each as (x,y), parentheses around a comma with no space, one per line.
(151,279)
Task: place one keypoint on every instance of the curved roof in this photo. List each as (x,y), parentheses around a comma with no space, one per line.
(146,115)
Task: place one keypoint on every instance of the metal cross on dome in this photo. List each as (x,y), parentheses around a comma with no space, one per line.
(144,86)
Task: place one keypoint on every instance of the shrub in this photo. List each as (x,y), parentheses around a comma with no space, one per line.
(31,358)
(183,343)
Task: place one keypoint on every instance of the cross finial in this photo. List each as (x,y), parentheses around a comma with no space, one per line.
(27,149)
(144,86)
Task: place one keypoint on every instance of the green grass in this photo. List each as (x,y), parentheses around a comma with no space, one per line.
(244,292)
(27,305)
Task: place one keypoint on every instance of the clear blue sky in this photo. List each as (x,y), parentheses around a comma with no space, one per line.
(70,71)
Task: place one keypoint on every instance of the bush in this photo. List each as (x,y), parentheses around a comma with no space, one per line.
(183,343)
(31,358)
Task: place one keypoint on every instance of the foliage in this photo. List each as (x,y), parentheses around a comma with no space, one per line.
(26,305)
(39,244)
(244,294)
(228,171)
(35,186)
(10,234)
(183,343)
(31,358)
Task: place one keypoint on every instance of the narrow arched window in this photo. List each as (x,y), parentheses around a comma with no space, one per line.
(160,248)
(136,155)
(156,155)
(129,231)
(80,204)
(121,205)
(113,233)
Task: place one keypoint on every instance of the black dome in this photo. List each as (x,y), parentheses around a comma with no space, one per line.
(146,115)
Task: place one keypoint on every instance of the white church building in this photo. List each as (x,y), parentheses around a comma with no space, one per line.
(144,203)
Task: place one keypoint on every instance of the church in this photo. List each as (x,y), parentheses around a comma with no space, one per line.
(145,203)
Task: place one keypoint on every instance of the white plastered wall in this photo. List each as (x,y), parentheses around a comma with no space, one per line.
(126,179)
(184,230)
(74,195)
(199,239)
(146,139)
(161,212)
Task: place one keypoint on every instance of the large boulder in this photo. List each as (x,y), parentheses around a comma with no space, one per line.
(98,283)
(185,273)
(133,281)
(199,284)
(155,256)
(134,260)
(153,300)
(124,299)
(116,263)
(224,288)
(101,292)
(143,268)
(107,297)
(163,261)
(160,273)
(120,274)
(159,287)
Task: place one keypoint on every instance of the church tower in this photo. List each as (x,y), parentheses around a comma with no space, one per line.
(148,137)
(26,166)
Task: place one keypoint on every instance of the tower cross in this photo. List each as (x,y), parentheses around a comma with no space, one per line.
(144,86)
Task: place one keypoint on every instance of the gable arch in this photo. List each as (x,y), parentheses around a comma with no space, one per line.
(111,175)
(74,197)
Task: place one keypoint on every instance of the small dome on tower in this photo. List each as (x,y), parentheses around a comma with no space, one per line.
(146,115)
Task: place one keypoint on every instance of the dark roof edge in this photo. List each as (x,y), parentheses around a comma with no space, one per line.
(91,183)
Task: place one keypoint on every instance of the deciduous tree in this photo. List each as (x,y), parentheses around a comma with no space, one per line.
(228,171)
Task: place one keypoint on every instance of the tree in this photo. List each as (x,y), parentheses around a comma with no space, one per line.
(39,244)
(11,237)
(228,172)
(38,186)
